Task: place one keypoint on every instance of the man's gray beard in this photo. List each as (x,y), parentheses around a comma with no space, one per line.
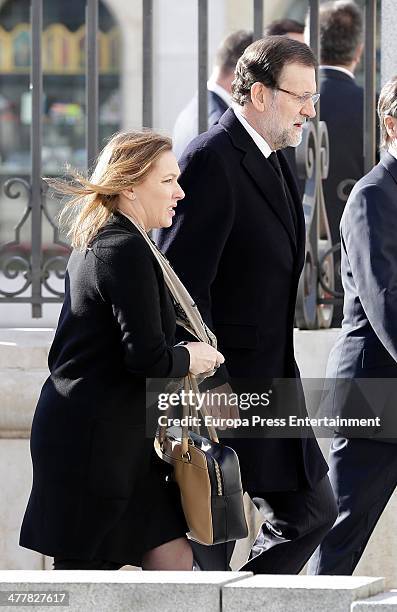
(276,139)
(287,139)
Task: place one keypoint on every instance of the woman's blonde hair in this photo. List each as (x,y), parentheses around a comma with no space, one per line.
(124,162)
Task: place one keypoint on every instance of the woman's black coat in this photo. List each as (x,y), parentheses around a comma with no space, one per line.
(88,441)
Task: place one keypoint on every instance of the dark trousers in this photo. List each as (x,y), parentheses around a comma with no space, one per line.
(303,517)
(363,475)
(80,564)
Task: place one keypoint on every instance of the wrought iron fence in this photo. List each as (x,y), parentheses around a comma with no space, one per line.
(35,271)
(316,296)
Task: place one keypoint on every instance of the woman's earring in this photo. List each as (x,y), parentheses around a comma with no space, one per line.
(133,196)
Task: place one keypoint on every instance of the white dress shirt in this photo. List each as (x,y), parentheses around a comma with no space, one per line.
(257,138)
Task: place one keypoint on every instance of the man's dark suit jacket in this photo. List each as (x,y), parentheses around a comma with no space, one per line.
(341,107)
(363,364)
(236,247)
(216,108)
(186,127)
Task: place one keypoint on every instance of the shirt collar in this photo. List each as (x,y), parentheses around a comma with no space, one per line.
(219,91)
(257,138)
(340,69)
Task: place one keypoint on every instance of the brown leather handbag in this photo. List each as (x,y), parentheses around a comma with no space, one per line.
(208,475)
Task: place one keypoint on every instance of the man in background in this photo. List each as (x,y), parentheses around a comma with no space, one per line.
(286,27)
(341,107)
(219,89)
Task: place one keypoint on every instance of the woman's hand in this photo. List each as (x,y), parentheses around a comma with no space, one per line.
(203,357)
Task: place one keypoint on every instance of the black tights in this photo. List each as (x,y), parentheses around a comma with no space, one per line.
(81,564)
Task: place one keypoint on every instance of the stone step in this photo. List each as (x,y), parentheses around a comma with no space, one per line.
(94,591)
(19,392)
(296,593)
(384,602)
(25,348)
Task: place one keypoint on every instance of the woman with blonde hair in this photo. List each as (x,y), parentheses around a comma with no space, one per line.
(100,497)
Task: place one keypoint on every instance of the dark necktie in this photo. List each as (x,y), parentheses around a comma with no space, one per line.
(273,159)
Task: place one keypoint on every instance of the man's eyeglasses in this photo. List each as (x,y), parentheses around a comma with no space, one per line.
(302,99)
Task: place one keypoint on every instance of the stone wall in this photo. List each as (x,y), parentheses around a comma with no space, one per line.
(202,591)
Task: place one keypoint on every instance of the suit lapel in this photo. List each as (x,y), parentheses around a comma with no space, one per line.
(260,170)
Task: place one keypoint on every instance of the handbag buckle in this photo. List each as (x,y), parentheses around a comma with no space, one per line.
(186,457)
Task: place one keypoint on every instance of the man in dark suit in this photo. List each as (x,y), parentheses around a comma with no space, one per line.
(219,89)
(342,104)
(238,245)
(362,367)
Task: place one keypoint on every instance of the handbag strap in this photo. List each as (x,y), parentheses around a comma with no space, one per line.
(190,408)
(194,387)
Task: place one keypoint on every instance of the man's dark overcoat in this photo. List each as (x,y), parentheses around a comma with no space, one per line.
(238,246)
